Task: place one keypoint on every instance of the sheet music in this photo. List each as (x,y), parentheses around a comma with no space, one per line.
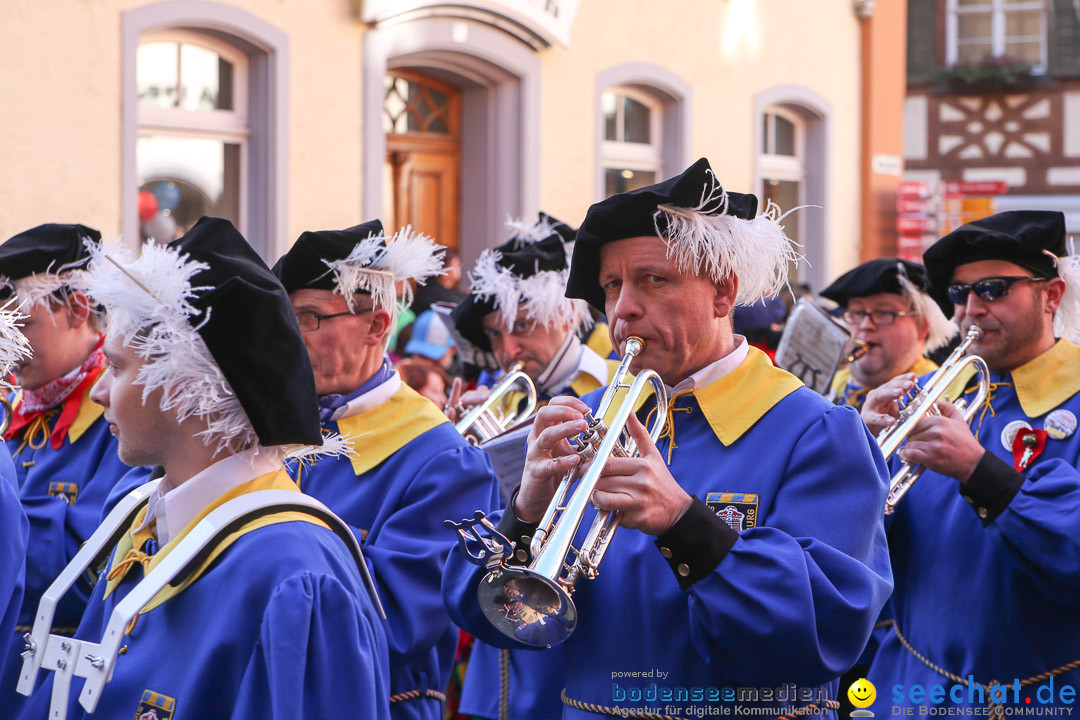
(507,452)
(813,345)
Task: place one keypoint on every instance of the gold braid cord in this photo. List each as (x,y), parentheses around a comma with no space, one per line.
(994,707)
(418,695)
(629,712)
(504,685)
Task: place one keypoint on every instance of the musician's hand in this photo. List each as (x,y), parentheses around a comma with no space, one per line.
(459,403)
(549,456)
(642,488)
(944,443)
(881,408)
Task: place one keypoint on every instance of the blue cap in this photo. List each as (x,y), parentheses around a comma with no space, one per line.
(430,337)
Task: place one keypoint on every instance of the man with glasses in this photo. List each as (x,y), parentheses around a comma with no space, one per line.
(887,307)
(410,468)
(986,545)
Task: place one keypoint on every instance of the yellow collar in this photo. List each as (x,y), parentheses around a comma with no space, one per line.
(89,412)
(277,480)
(586,383)
(600,340)
(1048,380)
(734,402)
(381,431)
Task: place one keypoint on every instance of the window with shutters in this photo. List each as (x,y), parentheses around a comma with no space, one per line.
(978,30)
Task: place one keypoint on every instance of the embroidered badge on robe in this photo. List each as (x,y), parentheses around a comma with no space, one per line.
(738,510)
(68,491)
(155,706)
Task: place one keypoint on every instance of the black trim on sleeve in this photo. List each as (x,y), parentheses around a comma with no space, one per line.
(519,532)
(991,487)
(696,544)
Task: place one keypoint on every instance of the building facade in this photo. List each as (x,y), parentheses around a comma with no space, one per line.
(994,97)
(138,117)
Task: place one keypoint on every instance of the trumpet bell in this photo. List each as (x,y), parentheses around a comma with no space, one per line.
(527,606)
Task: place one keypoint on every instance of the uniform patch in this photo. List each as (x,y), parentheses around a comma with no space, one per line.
(68,491)
(155,706)
(738,510)
(1008,434)
(1060,424)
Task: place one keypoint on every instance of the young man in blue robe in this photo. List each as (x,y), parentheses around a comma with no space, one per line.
(517,310)
(410,466)
(208,378)
(986,545)
(65,458)
(741,560)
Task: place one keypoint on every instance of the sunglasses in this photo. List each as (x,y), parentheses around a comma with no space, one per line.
(988,289)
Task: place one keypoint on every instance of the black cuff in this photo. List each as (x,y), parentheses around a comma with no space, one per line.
(696,544)
(991,487)
(518,532)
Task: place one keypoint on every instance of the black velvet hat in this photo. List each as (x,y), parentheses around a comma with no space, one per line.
(873,277)
(303,265)
(1022,237)
(516,272)
(212,283)
(655,211)
(46,250)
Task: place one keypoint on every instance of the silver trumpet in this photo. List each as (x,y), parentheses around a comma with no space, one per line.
(532,604)
(925,403)
(488,420)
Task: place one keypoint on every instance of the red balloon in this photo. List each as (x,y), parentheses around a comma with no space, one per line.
(148,205)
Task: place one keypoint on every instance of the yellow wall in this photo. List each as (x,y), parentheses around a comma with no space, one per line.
(60,77)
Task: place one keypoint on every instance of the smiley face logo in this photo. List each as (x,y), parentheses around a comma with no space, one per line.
(862,693)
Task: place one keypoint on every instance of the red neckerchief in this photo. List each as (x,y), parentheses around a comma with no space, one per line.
(69,408)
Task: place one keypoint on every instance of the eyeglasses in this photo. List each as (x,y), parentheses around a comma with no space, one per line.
(881,318)
(310,321)
(989,289)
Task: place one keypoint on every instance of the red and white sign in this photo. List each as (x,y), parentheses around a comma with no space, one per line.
(909,206)
(914,190)
(916,225)
(985,187)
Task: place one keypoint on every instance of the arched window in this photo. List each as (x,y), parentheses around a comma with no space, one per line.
(782,165)
(193,131)
(633,130)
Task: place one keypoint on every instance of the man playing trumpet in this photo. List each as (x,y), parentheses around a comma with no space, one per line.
(886,306)
(741,560)
(986,545)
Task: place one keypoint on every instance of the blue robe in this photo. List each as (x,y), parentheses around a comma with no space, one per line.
(14,530)
(534,678)
(279,625)
(412,471)
(63,492)
(775,575)
(996,598)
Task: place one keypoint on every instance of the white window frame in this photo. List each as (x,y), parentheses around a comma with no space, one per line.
(998,38)
(227,126)
(636,156)
(784,167)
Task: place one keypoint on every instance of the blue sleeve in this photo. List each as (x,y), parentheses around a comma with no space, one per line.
(14,531)
(409,554)
(808,586)
(57,529)
(1040,529)
(134,478)
(319,655)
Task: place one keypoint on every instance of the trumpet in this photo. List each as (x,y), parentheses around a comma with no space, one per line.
(487,420)
(925,403)
(532,604)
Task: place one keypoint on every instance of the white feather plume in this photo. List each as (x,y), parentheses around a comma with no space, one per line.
(412,255)
(333,445)
(525,232)
(541,296)
(1067,317)
(706,240)
(149,303)
(13,344)
(940,330)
